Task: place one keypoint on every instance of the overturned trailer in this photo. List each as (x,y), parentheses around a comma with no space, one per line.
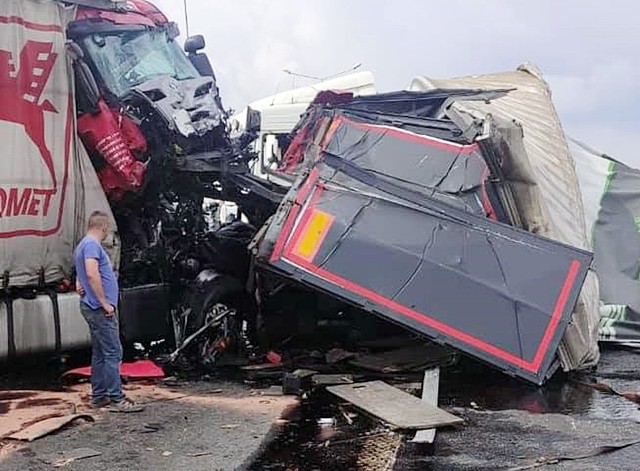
(401,214)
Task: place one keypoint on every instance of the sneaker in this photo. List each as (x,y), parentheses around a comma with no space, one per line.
(100,402)
(125,406)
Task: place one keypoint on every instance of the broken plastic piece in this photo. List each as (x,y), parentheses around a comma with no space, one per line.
(274,357)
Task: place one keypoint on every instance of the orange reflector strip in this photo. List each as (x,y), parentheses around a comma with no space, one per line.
(313,235)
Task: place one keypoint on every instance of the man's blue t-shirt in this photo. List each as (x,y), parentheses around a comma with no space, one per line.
(91,248)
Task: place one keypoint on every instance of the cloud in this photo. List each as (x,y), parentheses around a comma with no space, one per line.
(587,49)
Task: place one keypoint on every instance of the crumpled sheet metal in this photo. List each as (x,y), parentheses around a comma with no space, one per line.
(495,292)
(545,185)
(449,171)
(184,105)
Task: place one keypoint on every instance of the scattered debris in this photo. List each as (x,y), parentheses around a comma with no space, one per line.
(47,426)
(171,381)
(202,453)
(331,379)
(65,458)
(215,321)
(298,382)
(395,407)
(336,355)
(413,358)
(261,367)
(544,461)
(229,426)
(348,416)
(164,399)
(151,428)
(632,396)
(272,391)
(274,357)
(326,422)
(430,387)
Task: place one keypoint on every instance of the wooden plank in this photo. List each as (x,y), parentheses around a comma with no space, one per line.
(397,408)
(331,380)
(430,386)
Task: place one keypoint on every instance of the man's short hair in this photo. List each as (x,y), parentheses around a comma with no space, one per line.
(98,219)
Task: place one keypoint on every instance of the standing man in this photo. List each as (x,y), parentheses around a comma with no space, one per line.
(97,284)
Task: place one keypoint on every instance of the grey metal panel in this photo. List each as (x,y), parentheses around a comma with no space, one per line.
(4,332)
(501,294)
(418,160)
(34,327)
(73,328)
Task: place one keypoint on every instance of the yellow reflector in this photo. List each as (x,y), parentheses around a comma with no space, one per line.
(313,234)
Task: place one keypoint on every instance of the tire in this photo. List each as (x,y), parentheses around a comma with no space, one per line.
(222,290)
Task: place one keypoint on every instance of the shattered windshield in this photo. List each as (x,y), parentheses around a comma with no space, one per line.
(127,59)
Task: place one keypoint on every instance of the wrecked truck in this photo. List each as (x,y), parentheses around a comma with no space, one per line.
(391,206)
(103,110)
(401,214)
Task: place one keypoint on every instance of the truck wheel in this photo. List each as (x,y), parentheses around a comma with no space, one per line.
(222,295)
(222,291)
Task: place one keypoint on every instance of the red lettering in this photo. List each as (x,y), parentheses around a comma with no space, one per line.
(47,199)
(3,200)
(25,202)
(18,206)
(33,206)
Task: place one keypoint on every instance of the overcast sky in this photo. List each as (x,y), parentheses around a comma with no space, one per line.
(589,51)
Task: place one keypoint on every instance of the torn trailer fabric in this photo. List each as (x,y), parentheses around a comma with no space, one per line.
(385,219)
(611,198)
(523,129)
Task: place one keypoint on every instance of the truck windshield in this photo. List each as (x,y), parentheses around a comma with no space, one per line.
(127,59)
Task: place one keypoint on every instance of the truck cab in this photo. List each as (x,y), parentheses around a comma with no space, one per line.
(280,113)
(151,120)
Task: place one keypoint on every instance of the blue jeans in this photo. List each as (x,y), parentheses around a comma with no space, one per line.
(106,354)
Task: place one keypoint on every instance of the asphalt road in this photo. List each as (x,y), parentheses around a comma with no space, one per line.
(197,426)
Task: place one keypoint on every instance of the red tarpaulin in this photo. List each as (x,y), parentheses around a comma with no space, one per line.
(137,369)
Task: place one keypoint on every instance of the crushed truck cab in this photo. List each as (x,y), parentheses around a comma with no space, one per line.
(103,110)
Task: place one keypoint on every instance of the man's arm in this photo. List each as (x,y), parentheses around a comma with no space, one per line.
(93,275)
(79,287)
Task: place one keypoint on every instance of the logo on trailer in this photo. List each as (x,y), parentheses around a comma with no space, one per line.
(21,91)
(36,121)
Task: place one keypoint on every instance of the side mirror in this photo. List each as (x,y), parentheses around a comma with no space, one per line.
(193,44)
